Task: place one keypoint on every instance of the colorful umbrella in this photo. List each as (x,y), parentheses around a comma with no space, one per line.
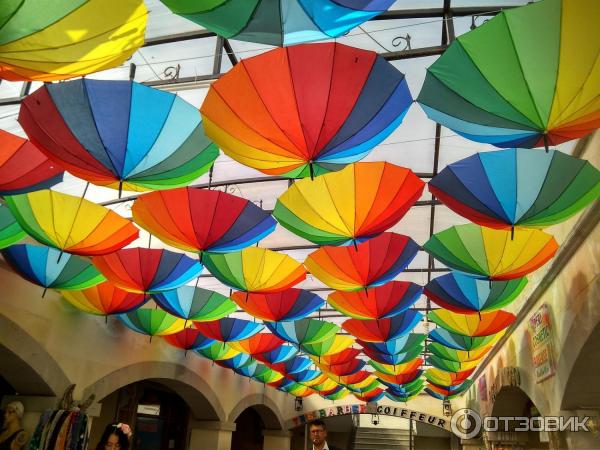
(72,224)
(257,344)
(331,346)
(372,396)
(489,253)
(189,339)
(452,354)
(119,134)
(401,378)
(147,270)
(278,355)
(338,394)
(450,390)
(526,78)
(217,351)
(395,358)
(239,361)
(328,386)
(229,329)
(451,366)
(465,343)
(23,167)
(303,331)
(440,396)
(255,269)
(468,295)
(338,358)
(359,382)
(382,302)
(10,230)
(517,187)
(201,220)
(308,377)
(404,398)
(291,304)
(64,39)
(305,110)
(194,303)
(265,375)
(398,345)
(442,377)
(104,299)
(152,322)
(383,329)
(483,324)
(298,390)
(397,369)
(246,370)
(371,263)
(292,366)
(354,204)
(343,369)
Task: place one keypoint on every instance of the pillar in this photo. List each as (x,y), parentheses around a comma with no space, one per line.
(210,435)
(277,440)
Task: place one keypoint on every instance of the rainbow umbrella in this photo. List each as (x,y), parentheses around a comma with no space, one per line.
(23,167)
(258,344)
(450,390)
(451,366)
(382,302)
(217,351)
(338,394)
(331,346)
(442,377)
(291,304)
(239,361)
(397,369)
(152,322)
(265,375)
(483,324)
(372,396)
(255,269)
(194,303)
(371,263)
(398,345)
(383,329)
(441,351)
(189,339)
(147,270)
(308,377)
(359,382)
(404,398)
(292,366)
(247,370)
(305,110)
(63,39)
(10,230)
(405,388)
(327,386)
(338,358)
(394,359)
(526,78)
(468,295)
(440,396)
(303,331)
(201,220)
(354,204)
(104,299)
(401,378)
(492,254)
(343,369)
(517,187)
(229,329)
(278,355)
(119,134)
(71,224)
(297,389)
(461,342)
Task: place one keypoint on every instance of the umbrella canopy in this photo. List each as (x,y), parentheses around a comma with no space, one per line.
(255,269)
(404,398)
(119,134)
(201,220)
(354,204)
(50,268)
(382,302)
(395,358)
(147,270)
(39,42)
(483,324)
(104,299)
(152,322)
(291,304)
(303,331)
(338,358)
(465,343)
(239,361)
(492,254)
(330,346)
(467,295)
(450,390)
(217,351)
(338,394)
(346,368)
(189,339)
(451,366)
(328,386)
(298,390)
(451,354)
(401,378)
(397,369)
(521,187)
(292,366)
(440,396)
(266,375)
(10,230)
(23,167)
(441,377)
(305,110)
(526,78)
(69,223)
(359,382)
(400,344)
(371,263)
(384,329)
(257,344)
(278,355)
(194,303)
(229,329)
(372,396)
(308,377)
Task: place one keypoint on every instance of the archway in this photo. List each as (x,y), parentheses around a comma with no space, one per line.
(254,416)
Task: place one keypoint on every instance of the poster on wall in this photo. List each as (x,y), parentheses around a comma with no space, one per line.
(542,350)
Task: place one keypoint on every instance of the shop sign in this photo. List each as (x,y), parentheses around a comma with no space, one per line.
(542,350)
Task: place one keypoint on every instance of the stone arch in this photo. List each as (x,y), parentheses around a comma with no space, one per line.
(202,400)
(264,406)
(27,366)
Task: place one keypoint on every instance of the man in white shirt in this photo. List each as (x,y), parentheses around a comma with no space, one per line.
(318,435)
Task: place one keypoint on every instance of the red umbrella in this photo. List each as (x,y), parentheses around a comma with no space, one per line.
(341,357)
(348,368)
(291,304)
(383,329)
(400,378)
(259,343)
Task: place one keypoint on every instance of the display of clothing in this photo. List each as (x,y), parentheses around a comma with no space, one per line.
(61,430)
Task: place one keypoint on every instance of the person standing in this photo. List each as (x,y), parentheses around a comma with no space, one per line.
(318,436)
(116,436)
(13,436)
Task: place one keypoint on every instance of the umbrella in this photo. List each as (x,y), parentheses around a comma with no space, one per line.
(359,382)
(65,39)
(338,358)
(119,134)
(189,339)
(383,329)
(328,386)
(526,78)
(354,204)
(343,369)
(450,390)
(278,355)
(246,370)
(372,396)
(50,268)
(401,378)
(397,369)
(147,270)
(382,302)
(217,351)
(465,343)
(443,377)
(371,263)
(338,394)
(229,329)
(452,354)
(264,374)
(292,366)
(451,366)
(201,220)
(405,388)
(468,295)
(483,324)
(194,303)
(104,299)
(398,345)
(239,361)
(72,224)
(404,398)
(10,230)
(394,359)
(23,167)
(298,390)
(303,331)
(291,304)
(440,396)
(334,344)
(255,269)
(492,254)
(257,344)
(152,322)
(308,377)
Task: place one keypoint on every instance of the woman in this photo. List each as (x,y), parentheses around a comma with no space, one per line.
(13,437)
(115,437)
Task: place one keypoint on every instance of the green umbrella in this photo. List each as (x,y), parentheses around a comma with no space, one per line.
(10,230)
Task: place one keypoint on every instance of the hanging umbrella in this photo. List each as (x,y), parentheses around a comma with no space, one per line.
(239,361)
(189,339)
(397,369)
(465,343)
(278,355)
(338,358)
(467,295)
(450,390)
(398,345)
(517,187)
(303,331)
(402,378)
(255,269)
(372,396)
(50,268)
(343,369)
(443,377)
(201,220)
(489,253)
(307,377)
(383,329)
(305,110)
(10,230)
(71,224)
(354,204)
(338,394)
(366,386)
(247,370)
(23,167)
(483,324)
(147,270)
(265,375)
(526,78)
(65,39)
(257,344)
(395,358)
(229,329)
(405,388)
(371,263)
(104,299)
(217,351)
(451,366)
(328,386)
(152,322)
(359,382)
(298,390)
(334,344)
(401,398)
(292,366)
(382,302)
(291,304)
(194,303)
(452,354)
(439,396)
